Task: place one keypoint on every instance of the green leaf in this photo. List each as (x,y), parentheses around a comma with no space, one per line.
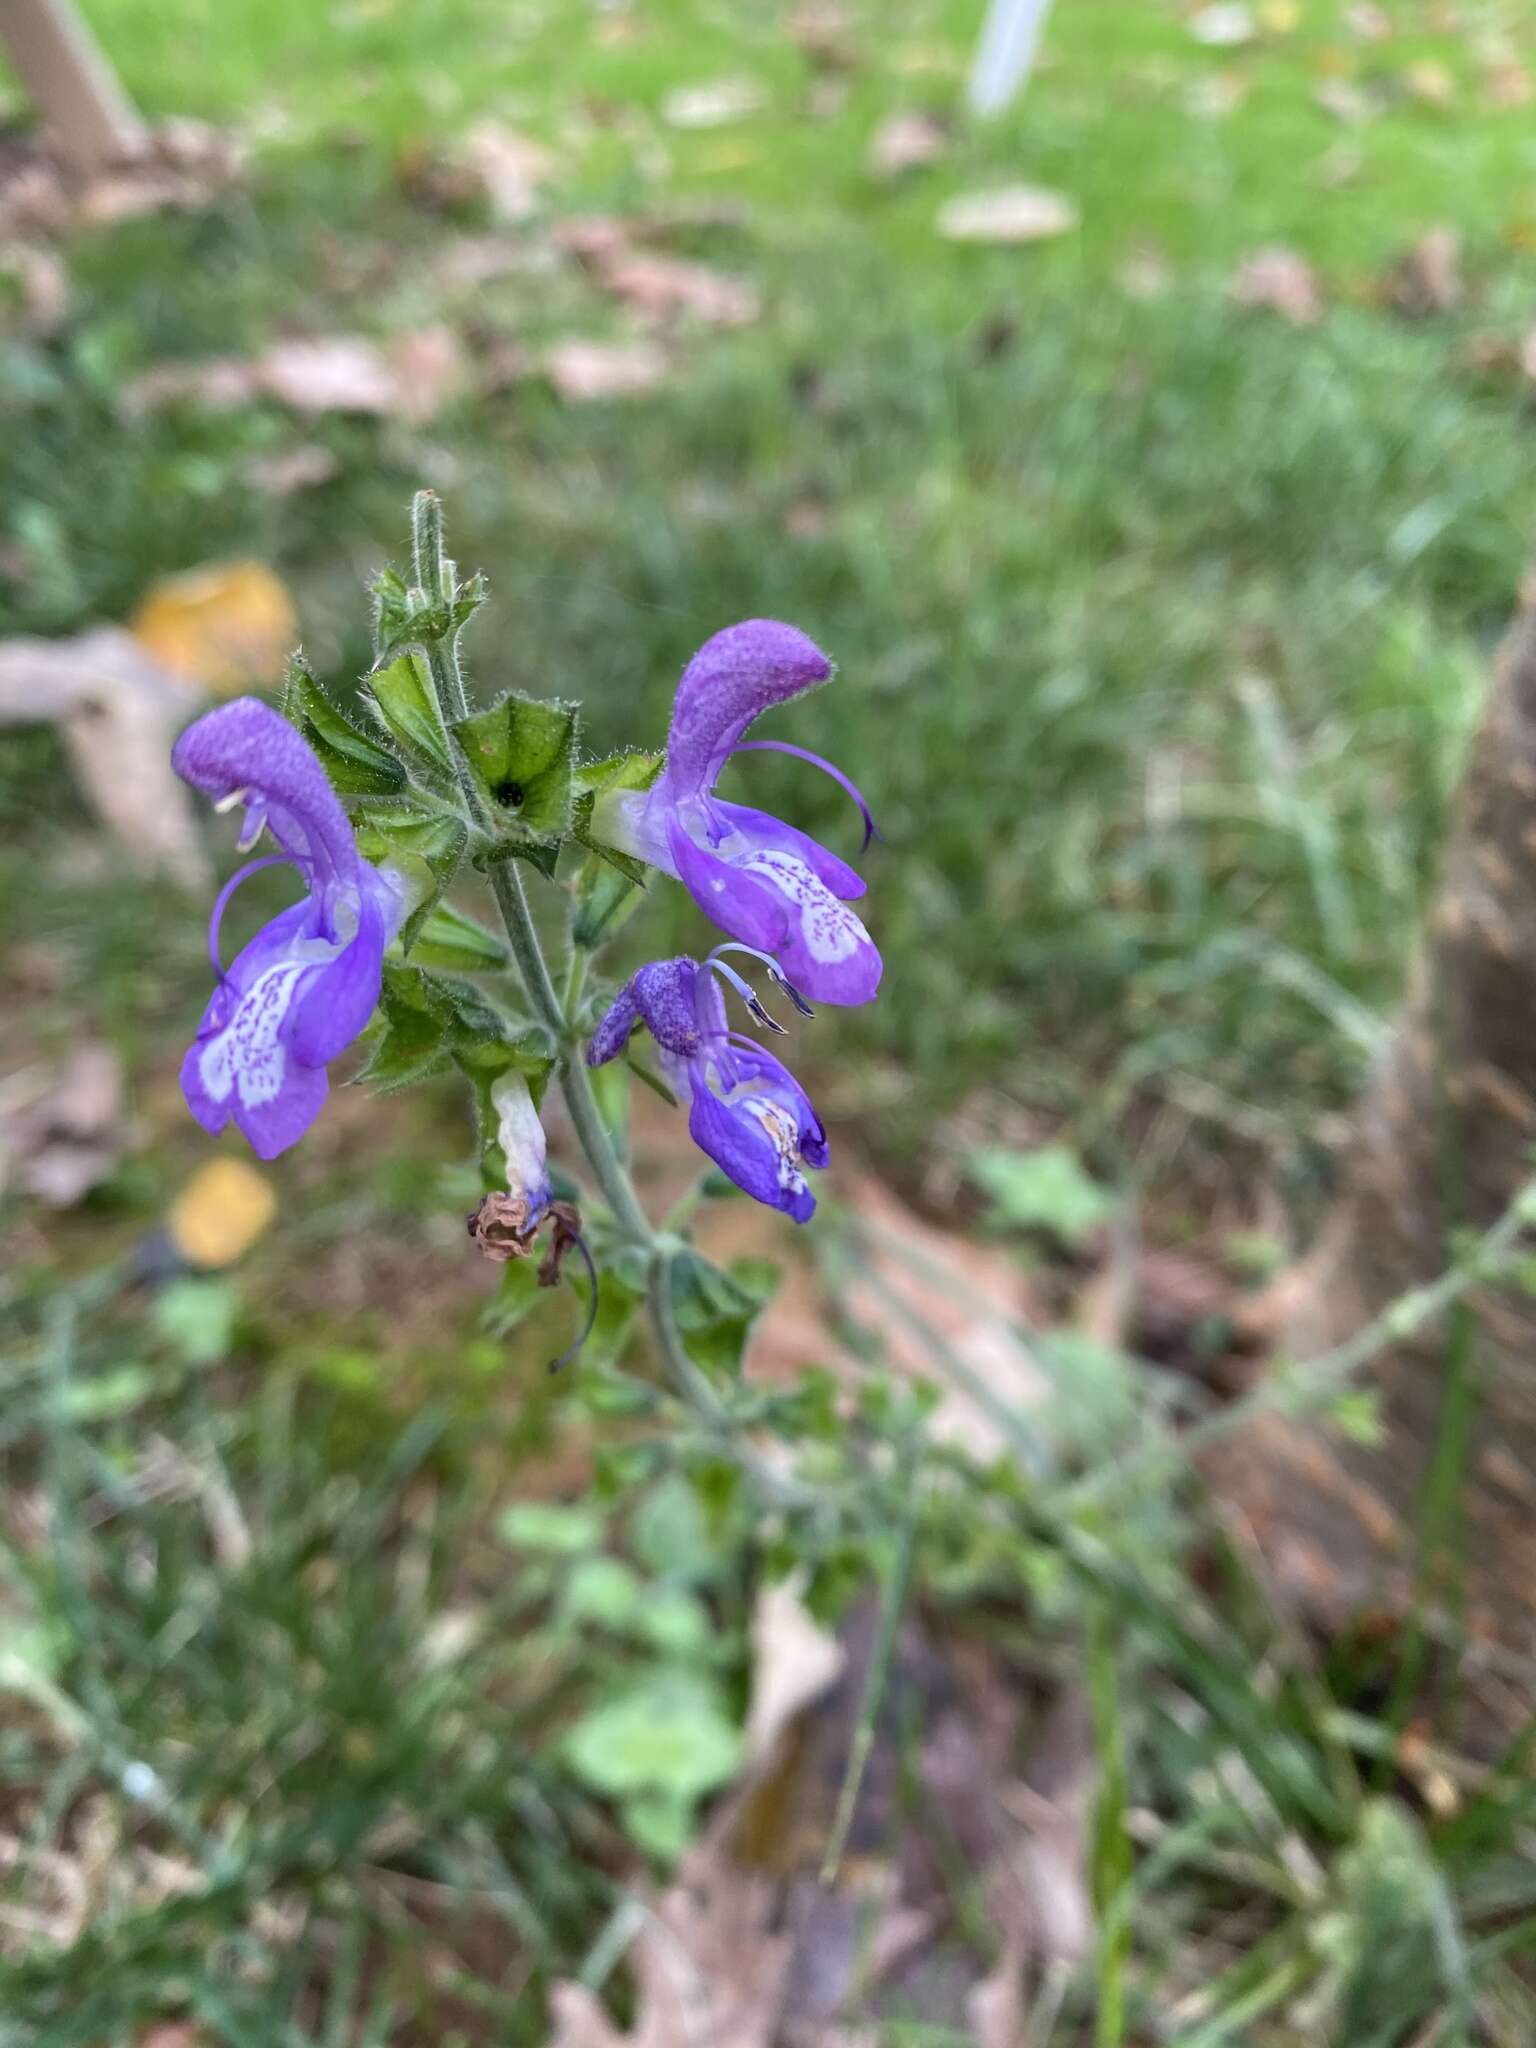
(612,776)
(668,1734)
(659,1824)
(1043,1190)
(408,1037)
(548,1526)
(544,858)
(447,937)
(715,1310)
(669,1531)
(517,1295)
(605,896)
(406,705)
(427,846)
(355,764)
(196,1318)
(522,755)
(404,617)
(605,1591)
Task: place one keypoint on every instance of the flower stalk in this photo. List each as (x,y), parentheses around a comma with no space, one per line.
(434,575)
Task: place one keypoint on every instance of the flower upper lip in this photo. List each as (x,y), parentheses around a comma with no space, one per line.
(769,885)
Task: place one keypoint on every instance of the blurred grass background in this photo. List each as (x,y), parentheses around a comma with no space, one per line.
(1161,623)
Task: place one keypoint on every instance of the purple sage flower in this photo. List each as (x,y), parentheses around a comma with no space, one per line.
(746,1110)
(305,986)
(759,879)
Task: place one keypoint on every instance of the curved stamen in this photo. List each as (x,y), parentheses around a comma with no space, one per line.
(575,1237)
(871,829)
(776,973)
(748,994)
(268,860)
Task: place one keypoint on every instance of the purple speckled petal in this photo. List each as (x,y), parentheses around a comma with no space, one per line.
(756,1069)
(678,1006)
(754,1140)
(825,950)
(246,746)
(340,997)
(240,1064)
(757,830)
(614,1028)
(746,908)
(734,676)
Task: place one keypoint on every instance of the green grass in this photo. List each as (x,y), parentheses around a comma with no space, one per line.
(1160,628)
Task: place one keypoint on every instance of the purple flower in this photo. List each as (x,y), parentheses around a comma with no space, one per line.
(759,879)
(305,986)
(746,1110)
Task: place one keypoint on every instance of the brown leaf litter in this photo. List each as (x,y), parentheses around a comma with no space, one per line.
(1278,280)
(63,1131)
(1427,279)
(34,290)
(1009,213)
(588,372)
(657,287)
(181,166)
(713,105)
(412,376)
(905,142)
(494,166)
(118,710)
(749,1946)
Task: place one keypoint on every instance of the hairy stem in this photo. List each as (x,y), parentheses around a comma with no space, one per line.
(436,577)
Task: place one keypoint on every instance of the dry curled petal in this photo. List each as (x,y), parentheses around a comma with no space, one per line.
(502,1226)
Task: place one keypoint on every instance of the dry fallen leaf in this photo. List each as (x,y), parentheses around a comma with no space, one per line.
(709,1966)
(1346,102)
(714,105)
(1372,24)
(1278,280)
(1430,82)
(226,626)
(181,164)
(905,142)
(1427,277)
(1215,97)
(1011,213)
(585,372)
(429,369)
(220,1213)
(1145,273)
(62,1134)
(658,288)
(299,468)
(119,710)
(34,290)
(217,383)
(508,167)
(1223,27)
(793,1662)
(334,373)
(1498,355)
(1507,84)
(410,377)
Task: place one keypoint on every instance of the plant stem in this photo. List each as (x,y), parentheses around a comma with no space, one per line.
(434,574)
(436,577)
(876,1679)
